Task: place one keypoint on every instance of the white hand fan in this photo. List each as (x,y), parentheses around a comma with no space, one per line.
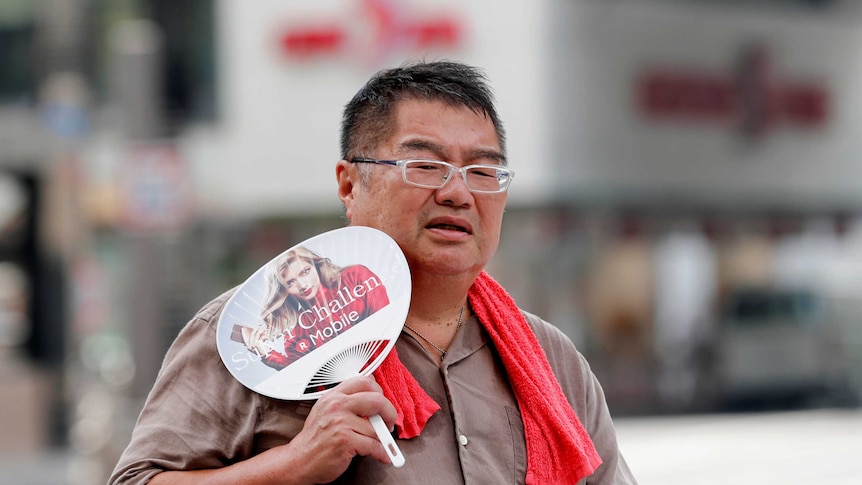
(326,309)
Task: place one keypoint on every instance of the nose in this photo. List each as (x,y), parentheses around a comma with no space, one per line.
(454,190)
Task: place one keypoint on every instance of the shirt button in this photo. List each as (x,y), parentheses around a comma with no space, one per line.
(463,440)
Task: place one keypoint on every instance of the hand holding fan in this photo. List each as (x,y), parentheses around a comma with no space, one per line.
(325,310)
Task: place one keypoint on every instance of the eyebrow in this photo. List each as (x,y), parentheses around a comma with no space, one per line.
(441,151)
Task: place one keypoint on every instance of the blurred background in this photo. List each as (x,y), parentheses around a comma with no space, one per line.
(687,206)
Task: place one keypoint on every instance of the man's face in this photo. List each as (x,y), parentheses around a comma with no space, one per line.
(444,231)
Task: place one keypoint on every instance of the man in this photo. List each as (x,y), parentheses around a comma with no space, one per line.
(481,392)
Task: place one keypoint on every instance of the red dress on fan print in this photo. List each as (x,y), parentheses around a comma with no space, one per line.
(360,291)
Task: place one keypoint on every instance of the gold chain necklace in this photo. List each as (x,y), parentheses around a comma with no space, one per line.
(442,352)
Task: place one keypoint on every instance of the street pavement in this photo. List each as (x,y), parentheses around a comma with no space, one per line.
(822,447)
(47,468)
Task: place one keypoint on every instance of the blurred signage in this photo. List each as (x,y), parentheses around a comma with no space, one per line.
(64,111)
(753,97)
(382,26)
(156,188)
(90,296)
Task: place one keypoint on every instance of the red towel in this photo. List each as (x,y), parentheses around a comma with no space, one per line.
(559,450)
(413,404)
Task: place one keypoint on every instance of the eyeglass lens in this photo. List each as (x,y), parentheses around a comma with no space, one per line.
(435,174)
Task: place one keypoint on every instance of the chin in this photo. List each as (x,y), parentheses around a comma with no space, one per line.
(450,266)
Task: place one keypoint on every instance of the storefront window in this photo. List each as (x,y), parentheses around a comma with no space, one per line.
(14,285)
(16,49)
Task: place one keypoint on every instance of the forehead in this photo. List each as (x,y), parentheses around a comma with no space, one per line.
(420,122)
(293,267)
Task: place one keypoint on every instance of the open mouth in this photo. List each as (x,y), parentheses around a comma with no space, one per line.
(449,227)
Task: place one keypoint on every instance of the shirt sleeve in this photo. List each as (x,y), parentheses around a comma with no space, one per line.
(586,396)
(197,416)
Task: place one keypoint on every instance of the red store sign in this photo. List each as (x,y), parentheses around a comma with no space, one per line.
(390,25)
(753,98)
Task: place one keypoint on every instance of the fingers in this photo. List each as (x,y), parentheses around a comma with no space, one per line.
(337,428)
(358,384)
(323,450)
(247,334)
(368,398)
(250,336)
(257,341)
(343,413)
(372,447)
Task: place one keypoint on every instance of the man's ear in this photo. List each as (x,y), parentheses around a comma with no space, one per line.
(347,177)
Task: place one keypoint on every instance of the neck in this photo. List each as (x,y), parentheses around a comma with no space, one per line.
(438,300)
(435,307)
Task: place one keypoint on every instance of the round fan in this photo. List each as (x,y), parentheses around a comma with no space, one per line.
(322,311)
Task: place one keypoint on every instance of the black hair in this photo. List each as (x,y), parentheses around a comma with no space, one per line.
(367,118)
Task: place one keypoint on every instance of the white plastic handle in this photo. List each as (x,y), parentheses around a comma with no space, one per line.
(388,442)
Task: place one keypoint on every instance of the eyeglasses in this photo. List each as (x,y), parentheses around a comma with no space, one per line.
(433,174)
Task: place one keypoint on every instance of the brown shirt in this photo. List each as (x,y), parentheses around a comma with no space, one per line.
(191,419)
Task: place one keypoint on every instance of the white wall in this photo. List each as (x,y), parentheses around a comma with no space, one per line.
(278,142)
(563,72)
(607,151)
